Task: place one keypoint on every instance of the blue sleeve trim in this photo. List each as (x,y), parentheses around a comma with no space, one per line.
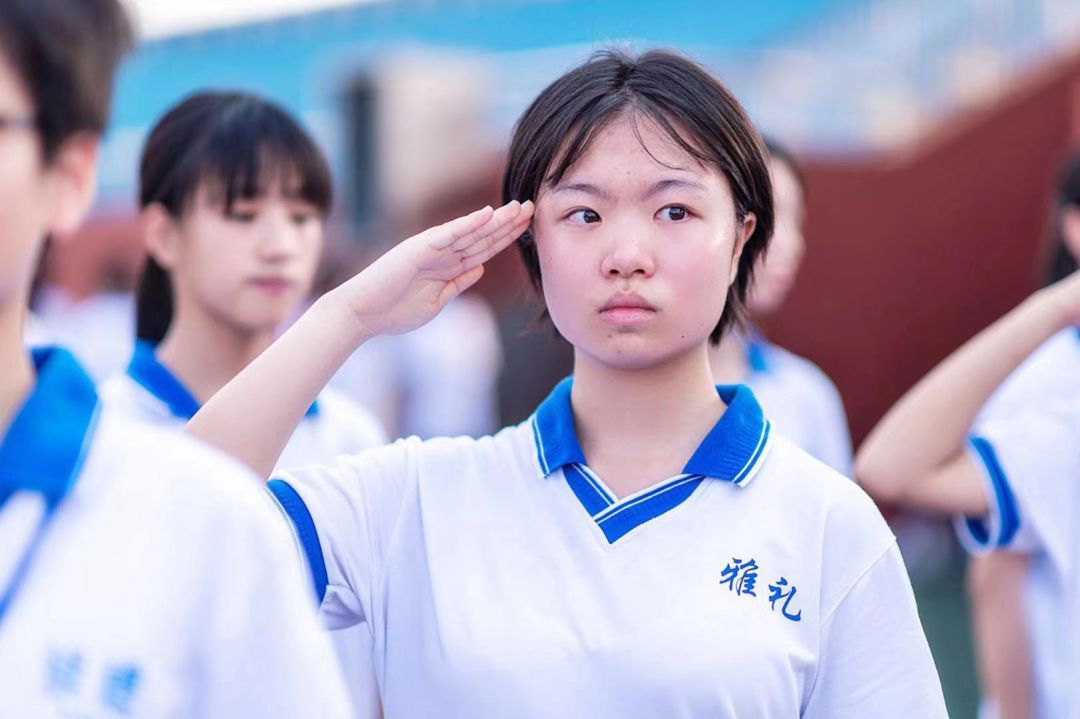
(1005,501)
(298,512)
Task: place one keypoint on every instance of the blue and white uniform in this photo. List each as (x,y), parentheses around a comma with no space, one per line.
(141,573)
(801,401)
(1031,465)
(501,577)
(1051,373)
(150,393)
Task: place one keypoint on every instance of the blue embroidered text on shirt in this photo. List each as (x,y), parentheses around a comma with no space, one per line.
(740,576)
(118,690)
(62,672)
(777,592)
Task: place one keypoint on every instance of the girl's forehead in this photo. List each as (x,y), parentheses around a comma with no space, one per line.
(629,151)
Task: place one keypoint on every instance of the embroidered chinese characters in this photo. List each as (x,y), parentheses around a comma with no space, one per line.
(741,577)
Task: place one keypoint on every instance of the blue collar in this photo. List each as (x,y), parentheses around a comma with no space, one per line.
(44,447)
(731,451)
(158,380)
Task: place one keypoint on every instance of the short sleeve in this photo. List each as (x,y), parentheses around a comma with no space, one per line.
(874,660)
(343,515)
(1031,466)
(264,653)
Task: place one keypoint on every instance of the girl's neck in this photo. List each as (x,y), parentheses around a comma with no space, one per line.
(17,375)
(637,427)
(205,352)
(728,359)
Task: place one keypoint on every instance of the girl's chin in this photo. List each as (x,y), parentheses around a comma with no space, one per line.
(640,356)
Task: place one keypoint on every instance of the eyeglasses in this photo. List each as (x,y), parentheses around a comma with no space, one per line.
(17,122)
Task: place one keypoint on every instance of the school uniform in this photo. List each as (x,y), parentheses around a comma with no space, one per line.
(1030,463)
(141,573)
(1051,373)
(501,577)
(801,402)
(149,393)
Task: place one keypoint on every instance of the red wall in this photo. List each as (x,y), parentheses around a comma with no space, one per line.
(912,254)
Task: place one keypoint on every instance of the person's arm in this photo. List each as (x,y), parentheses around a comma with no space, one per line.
(254,415)
(915,456)
(999,622)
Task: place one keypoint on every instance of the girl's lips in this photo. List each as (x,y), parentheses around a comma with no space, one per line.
(628,315)
(272,285)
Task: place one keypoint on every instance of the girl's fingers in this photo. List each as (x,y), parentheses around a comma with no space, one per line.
(496,243)
(504,216)
(448,233)
(460,283)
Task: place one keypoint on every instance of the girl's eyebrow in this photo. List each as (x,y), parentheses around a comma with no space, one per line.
(676,184)
(657,188)
(583,187)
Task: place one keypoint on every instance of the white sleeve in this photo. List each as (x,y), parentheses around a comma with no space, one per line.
(343,515)
(833,444)
(875,661)
(264,653)
(1031,466)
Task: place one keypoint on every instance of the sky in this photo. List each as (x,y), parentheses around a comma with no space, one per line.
(160,18)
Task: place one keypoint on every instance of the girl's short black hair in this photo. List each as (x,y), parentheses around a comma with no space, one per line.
(684,101)
(1062,262)
(66,54)
(234,144)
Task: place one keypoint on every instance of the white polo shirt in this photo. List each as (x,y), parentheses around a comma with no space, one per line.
(502,578)
(1031,465)
(1050,373)
(801,401)
(148,392)
(141,573)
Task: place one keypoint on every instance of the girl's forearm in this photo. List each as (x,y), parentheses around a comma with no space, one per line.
(929,425)
(255,414)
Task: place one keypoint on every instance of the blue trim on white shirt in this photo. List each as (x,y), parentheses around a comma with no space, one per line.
(157,379)
(635,511)
(1002,500)
(293,504)
(45,446)
(732,451)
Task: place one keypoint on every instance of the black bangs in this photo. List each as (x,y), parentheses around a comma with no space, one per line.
(238,146)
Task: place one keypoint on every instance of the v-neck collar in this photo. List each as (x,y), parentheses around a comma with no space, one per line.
(157,379)
(732,451)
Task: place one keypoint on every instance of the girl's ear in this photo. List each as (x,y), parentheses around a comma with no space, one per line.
(743,233)
(161,233)
(74,173)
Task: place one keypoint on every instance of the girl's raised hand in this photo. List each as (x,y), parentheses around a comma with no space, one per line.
(410,284)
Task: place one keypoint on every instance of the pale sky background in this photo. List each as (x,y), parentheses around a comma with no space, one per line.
(158,18)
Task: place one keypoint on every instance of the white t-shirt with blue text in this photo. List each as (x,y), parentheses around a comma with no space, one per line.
(501,577)
(143,574)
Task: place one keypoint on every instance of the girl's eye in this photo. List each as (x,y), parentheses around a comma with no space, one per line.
(583,217)
(302,218)
(675,213)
